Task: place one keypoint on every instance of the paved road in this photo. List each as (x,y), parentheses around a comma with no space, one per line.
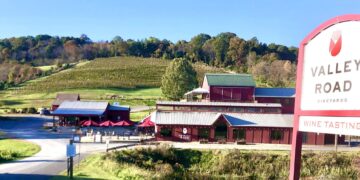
(50,160)
(142,108)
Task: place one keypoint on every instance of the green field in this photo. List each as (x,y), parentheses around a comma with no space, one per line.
(138,116)
(134,81)
(11,149)
(169,163)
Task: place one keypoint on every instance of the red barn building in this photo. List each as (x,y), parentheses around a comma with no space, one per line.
(231,108)
(73,112)
(229,87)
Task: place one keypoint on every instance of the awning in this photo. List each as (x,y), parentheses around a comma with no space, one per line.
(197,91)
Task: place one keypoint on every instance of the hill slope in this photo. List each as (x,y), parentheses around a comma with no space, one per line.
(135,80)
(120,72)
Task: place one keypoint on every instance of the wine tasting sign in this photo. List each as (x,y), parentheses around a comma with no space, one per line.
(328,83)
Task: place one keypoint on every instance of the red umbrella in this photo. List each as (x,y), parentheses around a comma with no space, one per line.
(123,123)
(147,122)
(89,123)
(107,123)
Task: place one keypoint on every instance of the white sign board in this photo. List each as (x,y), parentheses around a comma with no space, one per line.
(76,139)
(334,125)
(331,69)
(98,138)
(70,150)
(184,131)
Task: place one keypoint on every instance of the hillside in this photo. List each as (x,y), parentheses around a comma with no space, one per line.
(134,80)
(120,72)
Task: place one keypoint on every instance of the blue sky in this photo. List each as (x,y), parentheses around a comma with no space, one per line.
(279,21)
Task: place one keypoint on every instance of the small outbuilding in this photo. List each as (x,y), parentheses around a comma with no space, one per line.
(61,97)
(74,112)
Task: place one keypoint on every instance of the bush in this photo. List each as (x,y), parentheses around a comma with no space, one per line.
(32,110)
(23,110)
(170,163)
(13,110)
(8,155)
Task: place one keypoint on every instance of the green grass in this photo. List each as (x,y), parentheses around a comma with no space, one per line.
(168,163)
(12,149)
(96,167)
(138,116)
(132,97)
(135,80)
(46,68)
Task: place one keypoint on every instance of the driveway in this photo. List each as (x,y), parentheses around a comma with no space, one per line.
(51,160)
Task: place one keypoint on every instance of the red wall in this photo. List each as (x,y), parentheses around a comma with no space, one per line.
(177,133)
(112,115)
(253,135)
(231,94)
(287,104)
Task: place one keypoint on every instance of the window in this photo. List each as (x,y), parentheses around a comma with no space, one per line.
(239,134)
(276,134)
(166,132)
(286,101)
(304,137)
(204,133)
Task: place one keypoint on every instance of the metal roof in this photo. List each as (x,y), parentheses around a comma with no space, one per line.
(230,80)
(234,119)
(198,91)
(231,104)
(186,118)
(260,120)
(118,108)
(81,108)
(274,92)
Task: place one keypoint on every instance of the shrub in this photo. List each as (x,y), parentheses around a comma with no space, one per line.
(7,155)
(23,110)
(32,110)
(13,110)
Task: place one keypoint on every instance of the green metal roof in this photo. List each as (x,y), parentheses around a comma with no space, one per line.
(230,80)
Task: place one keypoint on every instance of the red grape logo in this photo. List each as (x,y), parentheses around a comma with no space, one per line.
(335,43)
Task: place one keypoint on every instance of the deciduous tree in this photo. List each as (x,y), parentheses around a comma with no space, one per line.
(179,78)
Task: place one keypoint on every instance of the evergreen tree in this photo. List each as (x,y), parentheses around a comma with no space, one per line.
(179,78)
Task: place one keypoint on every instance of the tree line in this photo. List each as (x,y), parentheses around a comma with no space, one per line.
(271,64)
(225,49)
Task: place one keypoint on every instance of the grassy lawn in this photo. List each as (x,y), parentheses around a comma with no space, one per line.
(13,149)
(96,167)
(169,163)
(132,97)
(138,116)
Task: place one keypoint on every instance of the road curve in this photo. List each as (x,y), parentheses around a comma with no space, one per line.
(51,159)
